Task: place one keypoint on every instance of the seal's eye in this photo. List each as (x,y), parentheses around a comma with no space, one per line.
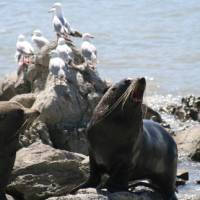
(114,88)
(128,81)
(2,117)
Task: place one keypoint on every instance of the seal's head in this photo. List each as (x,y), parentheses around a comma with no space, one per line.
(13,115)
(123,99)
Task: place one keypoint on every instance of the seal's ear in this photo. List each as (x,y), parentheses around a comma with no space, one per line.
(106,89)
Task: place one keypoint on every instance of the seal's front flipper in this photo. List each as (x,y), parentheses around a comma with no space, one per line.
(118,180)
(94,178)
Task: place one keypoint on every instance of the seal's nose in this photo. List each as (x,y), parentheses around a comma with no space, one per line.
(142,81)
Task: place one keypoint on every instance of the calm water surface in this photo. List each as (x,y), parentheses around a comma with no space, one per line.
(158,39)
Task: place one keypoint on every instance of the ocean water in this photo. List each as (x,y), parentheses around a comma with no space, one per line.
(157,39)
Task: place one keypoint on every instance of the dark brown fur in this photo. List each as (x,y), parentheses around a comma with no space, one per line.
(12,117)
(126,147)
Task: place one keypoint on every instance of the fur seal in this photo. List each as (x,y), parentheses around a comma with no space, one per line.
(126,147)
(13,118)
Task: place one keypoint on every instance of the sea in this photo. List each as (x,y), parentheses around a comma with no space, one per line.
(155,39)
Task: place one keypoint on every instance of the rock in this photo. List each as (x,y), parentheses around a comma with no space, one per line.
(195,155)
(41,171)
(9,89)
(180,182)
(69,105)
(65,106)
(189,142)
(182,174)
(38,132)
(149,113)
(189,109)
(91,194)
(26,100)
(43,56)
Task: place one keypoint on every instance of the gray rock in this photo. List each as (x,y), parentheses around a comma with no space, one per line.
(12,85)
(68,105)
(41,171)
(189,109)
(38,132)
(26,100)
(91,194)
(65,106)
(195,155)
(149,113)
(189,142)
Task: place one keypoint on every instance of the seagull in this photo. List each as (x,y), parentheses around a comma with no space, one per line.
(23,46)
(64,50)
(39,39)
(60,24)
(23,51)
(56,66)
(61,74)
(88,50)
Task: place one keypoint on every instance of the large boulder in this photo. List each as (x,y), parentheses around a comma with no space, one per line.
(26,100)
(12,85)
(41,171)
(65,106)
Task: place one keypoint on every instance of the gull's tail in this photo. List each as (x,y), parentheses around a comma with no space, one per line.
(94,58)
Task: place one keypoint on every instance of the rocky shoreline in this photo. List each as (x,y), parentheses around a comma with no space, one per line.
(52,156)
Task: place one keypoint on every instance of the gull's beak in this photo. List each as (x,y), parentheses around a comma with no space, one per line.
(51,10)
(91,36)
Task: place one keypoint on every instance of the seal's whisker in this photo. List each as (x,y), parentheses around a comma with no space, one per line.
(127,93)
(26,124)
(123,98)
(109,110)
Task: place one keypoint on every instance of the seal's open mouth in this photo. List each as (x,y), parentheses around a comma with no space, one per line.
(138,91)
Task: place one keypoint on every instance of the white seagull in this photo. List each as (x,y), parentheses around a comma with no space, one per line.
(88,50)
(60,24)
(64,50)
(39,39)
(56,66)
(23,46)
(23,51)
